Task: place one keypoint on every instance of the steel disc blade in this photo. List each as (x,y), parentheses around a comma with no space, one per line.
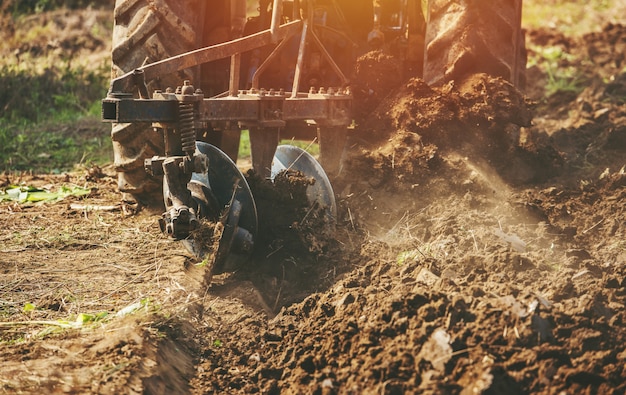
(226,183)
(294,158)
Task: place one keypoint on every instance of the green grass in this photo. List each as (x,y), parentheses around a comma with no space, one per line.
(53,147)
(49,101)
(311,147)
(50,121)
(58,92)
(244,145)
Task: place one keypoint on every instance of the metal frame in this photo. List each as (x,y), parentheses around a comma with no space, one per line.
(181,112)
(324,106)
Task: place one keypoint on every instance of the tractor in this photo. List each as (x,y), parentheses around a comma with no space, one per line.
(188,76)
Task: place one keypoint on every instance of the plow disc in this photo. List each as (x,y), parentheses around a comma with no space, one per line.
(289,157)
(223,189)
(223,198)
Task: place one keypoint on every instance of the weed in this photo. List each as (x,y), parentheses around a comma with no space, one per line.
(562,75)
(28,307)
(407,256)
(244,144)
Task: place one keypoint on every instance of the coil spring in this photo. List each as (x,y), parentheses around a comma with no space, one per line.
(186,127)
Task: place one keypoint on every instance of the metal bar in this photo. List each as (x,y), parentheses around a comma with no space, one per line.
(329,58)
(300,61)
(277,10)
(516,45)
(235,70)
(230,109)
(325,109)
(130,110)
(207,54)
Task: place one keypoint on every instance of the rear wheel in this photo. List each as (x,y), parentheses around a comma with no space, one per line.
(474,36)
(145,32)
(132,143)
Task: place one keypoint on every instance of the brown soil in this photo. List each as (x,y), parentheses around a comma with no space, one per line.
(461,263)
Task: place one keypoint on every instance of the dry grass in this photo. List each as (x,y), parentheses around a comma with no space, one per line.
(58,263)
(573,18)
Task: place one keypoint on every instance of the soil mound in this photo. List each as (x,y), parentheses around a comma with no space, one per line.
(464,278)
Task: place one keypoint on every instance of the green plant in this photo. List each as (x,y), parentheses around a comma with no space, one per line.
(82,321)
(244,145)
(407,256)
(31,194)
(49,120)
(562,75)
(59,93)
(53,146)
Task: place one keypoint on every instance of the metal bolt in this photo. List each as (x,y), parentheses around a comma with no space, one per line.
(187,88)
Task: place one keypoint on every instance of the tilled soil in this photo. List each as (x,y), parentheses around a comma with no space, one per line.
(461,263)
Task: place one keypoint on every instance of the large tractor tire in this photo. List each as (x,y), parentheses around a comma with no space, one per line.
(147,31)
(474,36)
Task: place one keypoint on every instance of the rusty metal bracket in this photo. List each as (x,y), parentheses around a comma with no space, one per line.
(264,108)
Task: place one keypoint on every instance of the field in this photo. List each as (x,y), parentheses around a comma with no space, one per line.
(461,263)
